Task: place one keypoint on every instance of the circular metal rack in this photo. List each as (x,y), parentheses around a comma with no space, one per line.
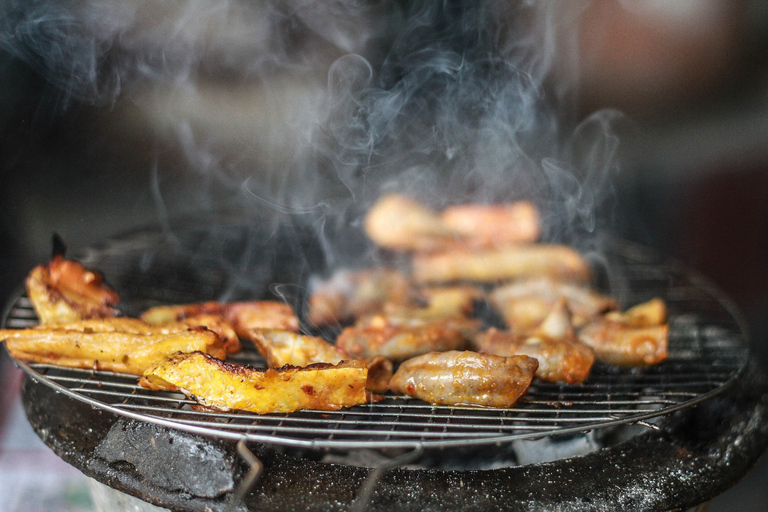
(707,352)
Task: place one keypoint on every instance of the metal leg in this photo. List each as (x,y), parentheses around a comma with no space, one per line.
(255,468)
(366,490)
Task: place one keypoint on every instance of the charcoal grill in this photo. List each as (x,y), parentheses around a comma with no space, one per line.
(636,438)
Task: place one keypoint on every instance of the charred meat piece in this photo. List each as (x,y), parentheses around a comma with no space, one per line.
(65,291)
(109,350)
(525,304)
(637,337)
(377,336)
(465,378)
(227,386)
(348,294)
(243,316)
(491,265)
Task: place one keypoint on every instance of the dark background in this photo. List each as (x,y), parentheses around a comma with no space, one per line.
(693,183)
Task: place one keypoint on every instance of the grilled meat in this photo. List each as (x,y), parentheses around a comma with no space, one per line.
(243,316)
(490,265)
(465,378)
(637,337)
(351,293)
(525,303)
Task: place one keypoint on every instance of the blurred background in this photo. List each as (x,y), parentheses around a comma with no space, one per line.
(116,117)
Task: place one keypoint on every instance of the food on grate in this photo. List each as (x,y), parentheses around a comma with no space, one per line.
(465,378)
(400,223)
(433,302)
(281,348)
(65,291)
(494,225)
(243,316)
(222,385)
(377,336)
(350,293)
(636,337)
(122,352)
(491,265)
(525,303)
(553,344)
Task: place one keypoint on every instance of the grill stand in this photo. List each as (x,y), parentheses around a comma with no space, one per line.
(695,455)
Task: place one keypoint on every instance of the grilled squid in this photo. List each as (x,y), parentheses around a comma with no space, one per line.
(465,378)
(225,386)
(636,337)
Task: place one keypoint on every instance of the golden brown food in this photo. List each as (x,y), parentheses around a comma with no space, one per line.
(243,316)
(524,304)
(226,386)
(400,223)
(559,360)
(494,225)
(491,265)
(465,378)
(379,337)
(113,351)
(280,347)
(65,291)
(135,326)
(553,344)
(446,301)
(348,294)
(636,337)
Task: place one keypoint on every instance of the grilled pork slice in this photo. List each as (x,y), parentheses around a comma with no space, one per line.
(400,223)
(113,351)
(348,294)
(524,304)
(636,337)
(494,225)
(65,291)
(378,336)
(243,316)
(465,378)
(490,265)
(225,386)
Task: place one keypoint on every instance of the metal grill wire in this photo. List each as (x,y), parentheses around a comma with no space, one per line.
(707,352)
